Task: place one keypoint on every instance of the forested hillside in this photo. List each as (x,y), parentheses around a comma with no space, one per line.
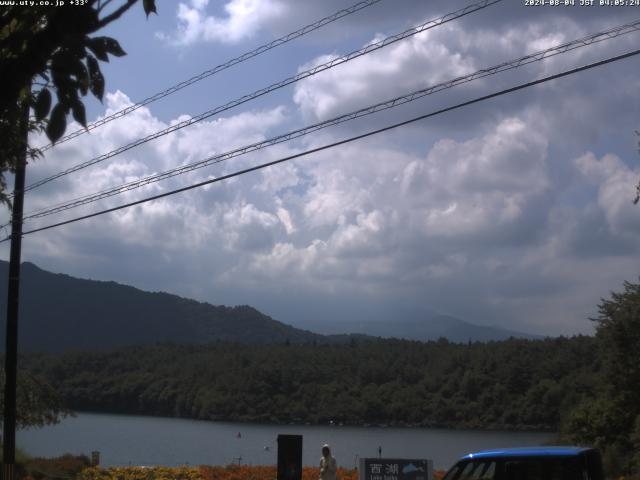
(105,315)
(513,384)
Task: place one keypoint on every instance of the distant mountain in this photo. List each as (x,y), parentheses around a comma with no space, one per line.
(59,312)
(422,326)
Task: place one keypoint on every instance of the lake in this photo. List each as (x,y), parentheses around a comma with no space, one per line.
(138,440)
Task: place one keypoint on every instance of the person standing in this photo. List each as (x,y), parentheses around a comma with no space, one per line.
(328,465)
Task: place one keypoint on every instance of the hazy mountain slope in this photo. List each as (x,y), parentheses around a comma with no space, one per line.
(60,312)
(423,326)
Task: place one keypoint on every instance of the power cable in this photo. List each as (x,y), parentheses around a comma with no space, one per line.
(207,73)
(509,65)
(263,91)
(335,144)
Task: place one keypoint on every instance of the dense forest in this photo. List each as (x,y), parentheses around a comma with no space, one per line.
(514,384)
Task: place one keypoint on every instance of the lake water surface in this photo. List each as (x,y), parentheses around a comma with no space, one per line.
(137,440)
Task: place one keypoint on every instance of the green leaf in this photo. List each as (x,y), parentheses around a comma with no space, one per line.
(57,123)
(99,48)
(113,47)
(78,69)
(79,114)
(95,78)
(149,7)
(83,78)
(65,61)
(43,104)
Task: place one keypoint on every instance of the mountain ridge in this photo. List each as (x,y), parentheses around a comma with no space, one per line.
(423,327)
(60,312)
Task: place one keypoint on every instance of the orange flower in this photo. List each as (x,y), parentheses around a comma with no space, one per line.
(204,472)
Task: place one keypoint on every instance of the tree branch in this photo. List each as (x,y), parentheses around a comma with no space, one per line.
(114,15)
(102,5)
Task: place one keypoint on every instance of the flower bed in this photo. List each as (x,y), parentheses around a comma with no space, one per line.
(231,472)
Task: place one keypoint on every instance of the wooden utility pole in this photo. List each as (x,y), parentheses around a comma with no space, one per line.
(13,296)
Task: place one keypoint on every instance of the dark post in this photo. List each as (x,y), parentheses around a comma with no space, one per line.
(289,457)
(13,295)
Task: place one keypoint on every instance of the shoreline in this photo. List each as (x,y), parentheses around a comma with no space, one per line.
(489,429)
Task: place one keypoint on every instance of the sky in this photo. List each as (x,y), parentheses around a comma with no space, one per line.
(515,212)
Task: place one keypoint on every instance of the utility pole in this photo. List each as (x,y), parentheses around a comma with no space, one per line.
(13,296)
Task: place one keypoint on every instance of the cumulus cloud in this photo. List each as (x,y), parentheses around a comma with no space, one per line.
(152,223)
(401,68)
(368,222)
(614,180)
(441,54)
(242,20)
(248,228)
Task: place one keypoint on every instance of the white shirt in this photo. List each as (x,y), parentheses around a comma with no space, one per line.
(328,468)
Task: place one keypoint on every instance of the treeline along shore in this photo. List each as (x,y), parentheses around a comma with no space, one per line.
(507,385)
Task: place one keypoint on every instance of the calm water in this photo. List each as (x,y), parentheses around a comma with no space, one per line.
(134,440)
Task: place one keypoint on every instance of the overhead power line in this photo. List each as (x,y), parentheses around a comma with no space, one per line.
(335,144)
(219,68)
(214,159)
(263,91)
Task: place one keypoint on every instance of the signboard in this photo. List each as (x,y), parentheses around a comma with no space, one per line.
(395,469)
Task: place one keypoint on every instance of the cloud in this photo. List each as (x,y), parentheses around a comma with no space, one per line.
(616,189)
(243,19)
(249,229)
(151,223)
(378,210)
(408,65)
(445,53)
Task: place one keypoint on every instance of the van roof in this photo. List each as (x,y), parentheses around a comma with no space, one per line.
(529,452)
